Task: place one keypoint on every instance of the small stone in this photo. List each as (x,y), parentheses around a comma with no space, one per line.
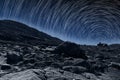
(6,67)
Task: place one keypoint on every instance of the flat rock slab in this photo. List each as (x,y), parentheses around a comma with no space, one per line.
(46,74)
(25,75)
(52,74)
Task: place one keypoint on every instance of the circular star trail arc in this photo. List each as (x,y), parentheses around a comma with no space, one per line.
(80,21)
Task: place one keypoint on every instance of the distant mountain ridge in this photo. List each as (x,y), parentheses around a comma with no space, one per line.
(19,32)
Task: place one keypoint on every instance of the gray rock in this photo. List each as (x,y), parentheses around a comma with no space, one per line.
(13,57)
(33,74)
(53,74)
(6,67)
(91,76)
(75,69)
(46,74)
(2,60)
(115,65)
(68,49)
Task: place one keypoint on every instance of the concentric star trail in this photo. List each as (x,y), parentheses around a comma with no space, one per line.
(80,21)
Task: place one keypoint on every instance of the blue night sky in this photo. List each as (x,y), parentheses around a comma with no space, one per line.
(80,21)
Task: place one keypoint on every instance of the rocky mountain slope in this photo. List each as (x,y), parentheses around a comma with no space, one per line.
(22,59)
(18,32)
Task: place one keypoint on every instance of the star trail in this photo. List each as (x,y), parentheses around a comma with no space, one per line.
(80,21)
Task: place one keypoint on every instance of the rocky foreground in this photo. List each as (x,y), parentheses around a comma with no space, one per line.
(67,61)
(27,54)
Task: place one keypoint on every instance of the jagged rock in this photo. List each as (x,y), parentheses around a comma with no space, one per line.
(52,73)
(33,74)
(14,58)
(98,67)
(68,49)
(83,63)
(31,60)
(56,65)
(6,67)
(74,62)
(62,78)
(91,76)
(75,69)
(68,63)
(26,50)
(39,65)
(115,65)
(101,56)
(2,60)
(46,74)
(102,45)
(80,62)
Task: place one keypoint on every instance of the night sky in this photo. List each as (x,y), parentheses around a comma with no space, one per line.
(80,21)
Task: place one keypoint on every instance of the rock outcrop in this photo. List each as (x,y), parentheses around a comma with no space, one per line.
(68,49)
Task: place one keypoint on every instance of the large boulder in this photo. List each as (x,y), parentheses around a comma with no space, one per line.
(14,57)
(68,49)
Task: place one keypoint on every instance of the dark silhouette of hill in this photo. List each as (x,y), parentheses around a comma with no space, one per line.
(18,32)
